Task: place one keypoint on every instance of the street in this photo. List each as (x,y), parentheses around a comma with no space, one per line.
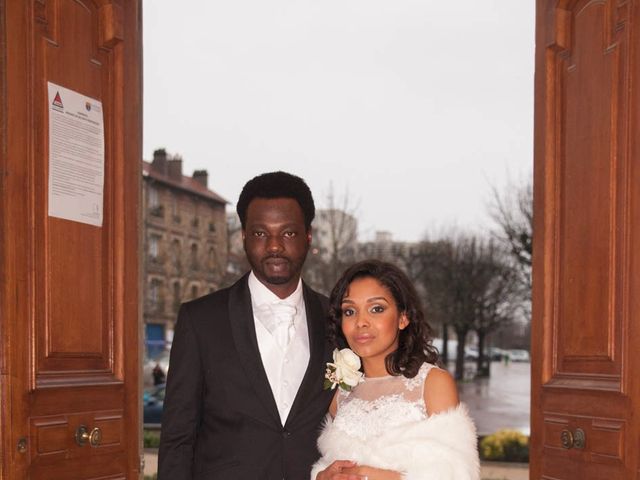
(502,400)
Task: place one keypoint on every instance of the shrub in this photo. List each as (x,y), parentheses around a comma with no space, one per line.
(506,446)
(151,439)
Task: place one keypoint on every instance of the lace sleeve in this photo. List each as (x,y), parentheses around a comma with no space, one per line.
(342,395)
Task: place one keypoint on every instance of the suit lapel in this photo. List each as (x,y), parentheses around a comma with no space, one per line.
(244,336)
(316,322)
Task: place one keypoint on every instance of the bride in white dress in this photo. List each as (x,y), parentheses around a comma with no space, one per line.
(403,420)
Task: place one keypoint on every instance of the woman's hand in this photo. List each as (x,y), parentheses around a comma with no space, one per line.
(338,471)
(370,473)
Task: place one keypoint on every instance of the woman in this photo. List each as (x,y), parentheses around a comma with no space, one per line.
(403,420)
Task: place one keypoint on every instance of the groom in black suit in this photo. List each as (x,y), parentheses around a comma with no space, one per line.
(244,397)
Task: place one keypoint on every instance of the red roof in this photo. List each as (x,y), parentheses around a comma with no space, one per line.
(188,184)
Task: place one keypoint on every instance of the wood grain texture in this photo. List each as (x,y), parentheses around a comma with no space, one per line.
(71,348)
(586,191)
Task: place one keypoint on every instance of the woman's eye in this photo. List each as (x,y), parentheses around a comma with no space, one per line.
(347,312)
(377,309)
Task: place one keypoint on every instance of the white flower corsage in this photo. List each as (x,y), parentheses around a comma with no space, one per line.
(344,371)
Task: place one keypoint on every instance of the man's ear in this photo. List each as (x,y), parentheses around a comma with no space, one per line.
(309,236)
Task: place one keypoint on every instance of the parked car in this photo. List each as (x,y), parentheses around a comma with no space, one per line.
(471,353)
(516,355)
(152,403)
(497,354)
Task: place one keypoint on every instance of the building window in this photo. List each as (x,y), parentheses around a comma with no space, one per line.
(194,291)
(155,208)
(194,256)
(175,253)
(212,259)
(154,246)
(175,210)
(154,200)
(155,297)
(157,211)
(212,227)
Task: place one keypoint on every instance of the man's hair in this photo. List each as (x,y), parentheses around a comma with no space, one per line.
(277,185)
(415,340)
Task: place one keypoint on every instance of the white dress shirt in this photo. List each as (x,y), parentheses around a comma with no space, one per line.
(286,366)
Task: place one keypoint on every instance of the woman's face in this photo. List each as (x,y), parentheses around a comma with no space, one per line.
(371,321)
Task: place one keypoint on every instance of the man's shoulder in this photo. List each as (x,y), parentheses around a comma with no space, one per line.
(216,299)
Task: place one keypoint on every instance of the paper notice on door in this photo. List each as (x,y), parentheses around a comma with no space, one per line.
(76,156)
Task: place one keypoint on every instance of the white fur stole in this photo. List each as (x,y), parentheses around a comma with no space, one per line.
(442,447)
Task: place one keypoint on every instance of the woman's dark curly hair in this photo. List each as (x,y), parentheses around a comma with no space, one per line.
(414,343)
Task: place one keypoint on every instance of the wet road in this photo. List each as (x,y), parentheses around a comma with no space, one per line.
(501,401)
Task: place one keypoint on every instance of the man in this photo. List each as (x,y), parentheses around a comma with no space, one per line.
(244,397)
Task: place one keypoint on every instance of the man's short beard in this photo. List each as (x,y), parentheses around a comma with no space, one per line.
(277,280)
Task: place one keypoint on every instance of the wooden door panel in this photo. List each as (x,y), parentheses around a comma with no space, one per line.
(70,351)
(591,98)
(74,320)
(586,130)
(51,435)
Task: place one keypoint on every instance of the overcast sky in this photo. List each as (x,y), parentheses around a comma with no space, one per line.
(414,107)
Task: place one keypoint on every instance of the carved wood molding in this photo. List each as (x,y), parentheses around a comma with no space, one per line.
(97,27)
(607,353)
(616,17)
(52,434)
(587,381)
(604,436)
(111,25)
(110,20)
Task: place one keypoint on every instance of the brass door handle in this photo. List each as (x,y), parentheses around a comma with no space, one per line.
(576,439)
(93,437)
(566,438)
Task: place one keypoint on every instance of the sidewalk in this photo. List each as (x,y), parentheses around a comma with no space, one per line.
(490,470)
(504,471)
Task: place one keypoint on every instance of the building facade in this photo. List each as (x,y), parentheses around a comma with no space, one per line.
(185,243)
(384,247)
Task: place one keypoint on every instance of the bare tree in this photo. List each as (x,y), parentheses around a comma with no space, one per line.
(499,296)
(468,287)
(448,281)
(513,213)
(335,237)
(429,266)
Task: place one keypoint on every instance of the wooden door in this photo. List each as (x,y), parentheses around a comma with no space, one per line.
(586,318)
(69,310)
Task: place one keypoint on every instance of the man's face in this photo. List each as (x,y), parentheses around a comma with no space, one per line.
(276,242)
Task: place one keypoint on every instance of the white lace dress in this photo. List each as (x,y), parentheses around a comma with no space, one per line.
(383,423)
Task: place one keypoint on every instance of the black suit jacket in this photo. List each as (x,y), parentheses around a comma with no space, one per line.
(220,419)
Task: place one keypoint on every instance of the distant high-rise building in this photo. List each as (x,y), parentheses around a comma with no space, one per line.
(383,247)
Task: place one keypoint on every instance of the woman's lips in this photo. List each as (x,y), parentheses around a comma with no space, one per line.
(364,338)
